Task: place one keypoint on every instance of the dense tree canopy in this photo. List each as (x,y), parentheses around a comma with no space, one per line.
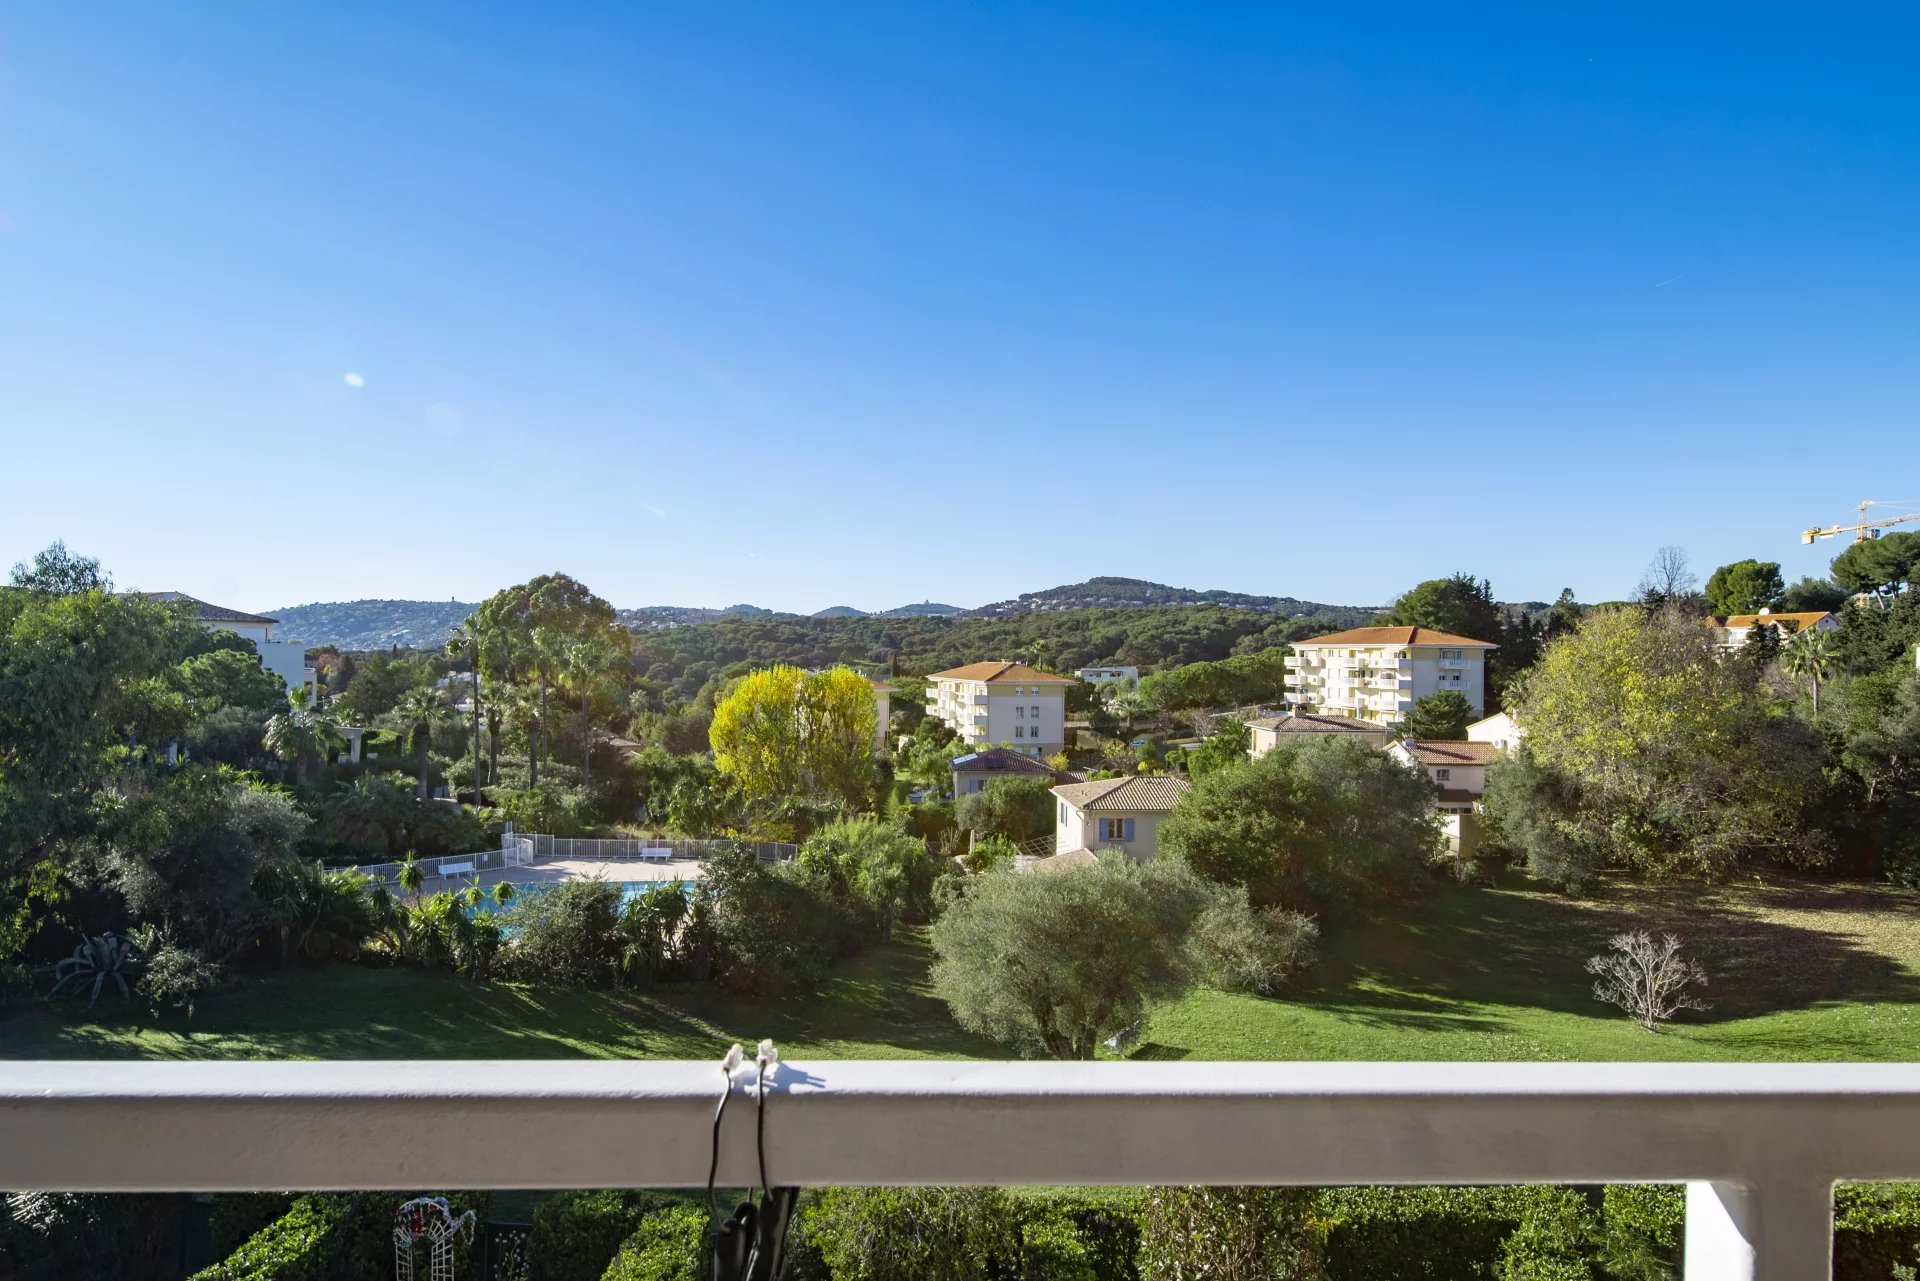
(1883,565)
(1315,826)
(1240,681)
(1672,754)
(1019,808)
(787,734)
(1745,587)
(1444,715)
(1461,605)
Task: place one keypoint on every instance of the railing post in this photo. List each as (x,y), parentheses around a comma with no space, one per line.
(1778,1229)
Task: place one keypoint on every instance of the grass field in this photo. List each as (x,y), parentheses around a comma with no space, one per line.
(1800,970)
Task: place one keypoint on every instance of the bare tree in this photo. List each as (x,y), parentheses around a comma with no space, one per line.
(1646,977)
(1668,579)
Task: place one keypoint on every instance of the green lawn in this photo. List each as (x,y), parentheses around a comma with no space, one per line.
(1801,970)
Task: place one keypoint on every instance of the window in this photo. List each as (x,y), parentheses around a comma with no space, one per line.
(1116,829)
(1019,711)
(1036,713)
(1442,775)
(1019,731)
(1063,812)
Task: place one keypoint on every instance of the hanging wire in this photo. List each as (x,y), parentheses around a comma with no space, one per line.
(727,1065)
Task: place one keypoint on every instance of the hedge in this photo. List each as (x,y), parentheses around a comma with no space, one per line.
(576,1234)
(337,1237)
(669,1245)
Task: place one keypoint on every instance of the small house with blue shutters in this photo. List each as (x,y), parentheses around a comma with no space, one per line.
(1115,814)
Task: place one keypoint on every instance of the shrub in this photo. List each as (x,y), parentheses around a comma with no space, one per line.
(235,1216)
(1233,1234)
(932,1234)
(1016,808)
(338,1237)
(90,1236)
(576,1234)
(566,933)
(988,853)
(1239,948)
(1373,1234)
(1876,1226)
(1643,1224)
(669,1245)
(771,934)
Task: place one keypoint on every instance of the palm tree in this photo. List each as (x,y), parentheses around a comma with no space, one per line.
(466,639)
(587,666)
(302,734)
(418,711)
(1810,654)
(412,876)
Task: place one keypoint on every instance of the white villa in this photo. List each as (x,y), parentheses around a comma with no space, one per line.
(1500,729)
(285,659)
(1108,675)
(1114,814)
(1378,673)
(1731,633)
(883,712)
(1459,773)
(1019,707)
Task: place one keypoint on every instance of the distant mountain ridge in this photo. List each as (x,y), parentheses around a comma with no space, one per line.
(1134,593)
(420,624)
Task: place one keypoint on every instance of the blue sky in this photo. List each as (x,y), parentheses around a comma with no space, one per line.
(804,304)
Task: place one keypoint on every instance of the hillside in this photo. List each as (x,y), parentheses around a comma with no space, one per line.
(925,609)
(840,611)
(371,624)
(1136,593)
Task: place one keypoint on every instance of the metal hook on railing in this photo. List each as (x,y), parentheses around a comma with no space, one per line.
(750,1244)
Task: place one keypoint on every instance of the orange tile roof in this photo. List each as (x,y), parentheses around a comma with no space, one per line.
(1432,751)
(998,673)
(1146,793)
(1395,636)
(1801,620)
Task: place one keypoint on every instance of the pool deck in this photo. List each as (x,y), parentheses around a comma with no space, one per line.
(548,871)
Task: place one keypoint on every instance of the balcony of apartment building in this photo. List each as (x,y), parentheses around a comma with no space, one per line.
(1758,1146)
(979,700)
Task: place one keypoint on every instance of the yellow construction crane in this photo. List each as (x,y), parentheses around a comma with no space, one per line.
(1864,529)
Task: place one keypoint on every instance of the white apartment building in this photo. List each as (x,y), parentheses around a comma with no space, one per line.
(1108,675)
(285,659)
(1003,704)
(1378,673)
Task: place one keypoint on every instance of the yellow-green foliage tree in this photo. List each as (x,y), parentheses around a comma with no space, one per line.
(784,734)
(1655,754)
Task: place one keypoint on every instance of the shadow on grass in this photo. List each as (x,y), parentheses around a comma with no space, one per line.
(1766,949)
(880,999)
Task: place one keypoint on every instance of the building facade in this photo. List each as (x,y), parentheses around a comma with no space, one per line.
(981,769)
(285,659)
(1003,704)
(1268,732)
(1378,673)
(1500,729)
(1115,814)
(1108,675)
(1731,633)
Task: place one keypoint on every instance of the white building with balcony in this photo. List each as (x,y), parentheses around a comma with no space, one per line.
(1108,675)
(1378,673)
(1003,704)
(285,659)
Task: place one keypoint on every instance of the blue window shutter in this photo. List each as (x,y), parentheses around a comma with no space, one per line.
(1128,833)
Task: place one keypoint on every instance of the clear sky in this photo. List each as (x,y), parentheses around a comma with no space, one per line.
(806,304)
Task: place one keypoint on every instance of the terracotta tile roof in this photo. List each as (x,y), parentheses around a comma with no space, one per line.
(1000,760)
(881,687)
(204,612)
(1308,723)
(1438,752)
(1142,793)
(1801,621)
(1361,636)
(1002,673)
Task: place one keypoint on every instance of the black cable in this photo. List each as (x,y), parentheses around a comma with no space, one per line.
(713,1167)
(760,1125)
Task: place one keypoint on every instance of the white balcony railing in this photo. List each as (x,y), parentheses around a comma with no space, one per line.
(1760,1146)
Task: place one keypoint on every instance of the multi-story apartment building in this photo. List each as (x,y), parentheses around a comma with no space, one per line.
(1378,673)
(1003,704)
